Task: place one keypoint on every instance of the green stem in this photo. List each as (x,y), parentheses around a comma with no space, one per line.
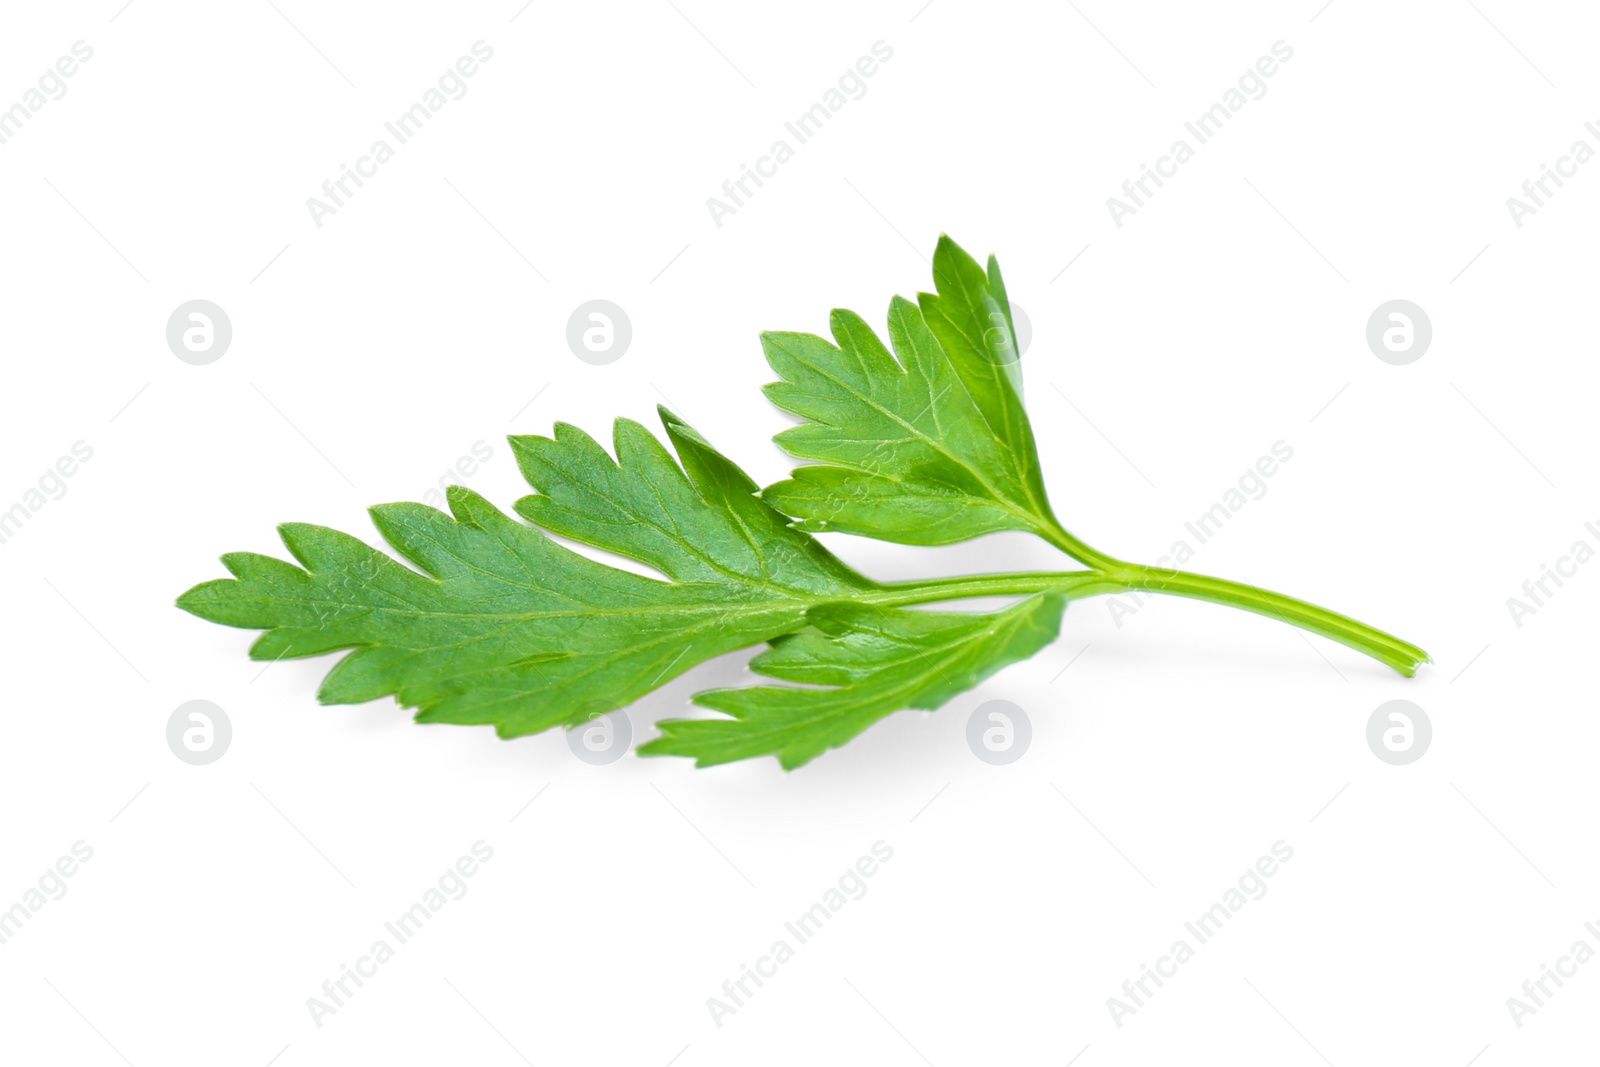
(1072,584)
(1057,535)
(1116,577)
(1403,656)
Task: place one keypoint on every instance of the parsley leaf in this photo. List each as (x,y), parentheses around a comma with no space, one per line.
(928,445)
(877,661)
(506,626)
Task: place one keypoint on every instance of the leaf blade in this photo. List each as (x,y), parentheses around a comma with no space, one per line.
(934,417)
(876,661)
(500,624)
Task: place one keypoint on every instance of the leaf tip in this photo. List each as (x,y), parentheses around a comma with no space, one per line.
(189,600)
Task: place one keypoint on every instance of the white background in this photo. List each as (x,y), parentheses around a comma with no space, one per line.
(1226,315)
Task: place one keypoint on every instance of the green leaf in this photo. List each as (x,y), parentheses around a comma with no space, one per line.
(877,661)
(928,445)
(504,625)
